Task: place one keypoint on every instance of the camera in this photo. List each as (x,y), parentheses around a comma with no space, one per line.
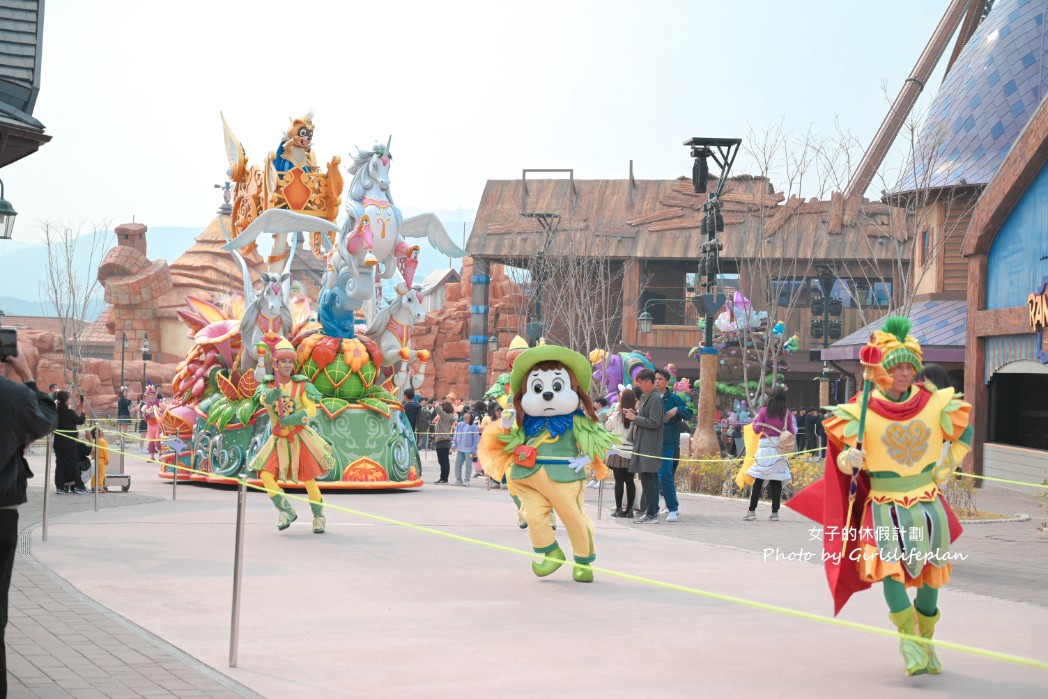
(8,343)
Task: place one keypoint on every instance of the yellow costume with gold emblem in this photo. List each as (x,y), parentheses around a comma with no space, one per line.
(887,521)
(905,530)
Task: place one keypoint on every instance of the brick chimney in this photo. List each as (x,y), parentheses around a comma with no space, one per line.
(132,235)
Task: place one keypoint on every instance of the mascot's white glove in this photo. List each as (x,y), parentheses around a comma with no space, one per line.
(580,462)
(851,460)
(507,418)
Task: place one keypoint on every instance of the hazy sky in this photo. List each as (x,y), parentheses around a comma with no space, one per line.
(131,91)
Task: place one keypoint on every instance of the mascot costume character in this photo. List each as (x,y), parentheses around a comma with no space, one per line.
(884,518)
(294,451)
(543,445)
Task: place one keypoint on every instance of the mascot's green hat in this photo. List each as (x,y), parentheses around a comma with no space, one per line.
(522,365)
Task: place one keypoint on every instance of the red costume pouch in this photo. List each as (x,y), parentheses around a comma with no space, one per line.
(525,456)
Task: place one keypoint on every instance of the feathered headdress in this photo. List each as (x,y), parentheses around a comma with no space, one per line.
(897,347)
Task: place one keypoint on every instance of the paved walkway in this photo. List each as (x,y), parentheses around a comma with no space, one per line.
(61,643)
(134,601)
(1006,560)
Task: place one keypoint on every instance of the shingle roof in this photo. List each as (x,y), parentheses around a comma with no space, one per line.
(21,22)
(45,323)
(935,324)
(987,99)
(438,277)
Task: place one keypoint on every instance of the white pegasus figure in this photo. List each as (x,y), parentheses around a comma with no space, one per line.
(391,330)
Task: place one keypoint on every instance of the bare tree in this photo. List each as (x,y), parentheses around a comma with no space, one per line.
(71,286)
(573,287)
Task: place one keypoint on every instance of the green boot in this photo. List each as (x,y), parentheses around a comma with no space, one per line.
(545,567)
(926,625)
(913,652)
(287,512)
(582,574)
(319,520)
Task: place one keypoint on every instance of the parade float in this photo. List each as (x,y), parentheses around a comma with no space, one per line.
(616,370)
(353,346)
(749,347)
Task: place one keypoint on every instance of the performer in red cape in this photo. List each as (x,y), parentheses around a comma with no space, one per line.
(899,529)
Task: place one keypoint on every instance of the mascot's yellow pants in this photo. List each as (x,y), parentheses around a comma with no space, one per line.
(538,494)
(312,489)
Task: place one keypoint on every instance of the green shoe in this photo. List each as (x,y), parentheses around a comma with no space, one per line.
(582,574)
(926,625)
(913,652)
(286,518)
(546,566)
(287,512)
(319,520)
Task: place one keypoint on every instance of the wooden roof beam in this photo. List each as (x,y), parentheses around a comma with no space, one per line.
(903,105)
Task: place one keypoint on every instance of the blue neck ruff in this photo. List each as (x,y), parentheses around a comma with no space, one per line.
(556,425)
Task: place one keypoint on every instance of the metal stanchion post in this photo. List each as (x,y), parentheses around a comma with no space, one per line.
(47,484)
(600,499)
(174,476)
(122,453)
(238,564)
(97,479)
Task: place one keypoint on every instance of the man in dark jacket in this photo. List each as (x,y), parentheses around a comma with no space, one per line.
(425,417)
(411,407)
(647,443)
(802,430)
(26,414)
(675,414)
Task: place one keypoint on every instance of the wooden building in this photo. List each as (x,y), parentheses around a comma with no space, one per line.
(1007,343)
(648,233)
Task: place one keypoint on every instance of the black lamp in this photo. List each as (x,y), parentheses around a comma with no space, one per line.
(826,279)
(493,343)
(7,215)
(700,170)
(817,305)
(644,321)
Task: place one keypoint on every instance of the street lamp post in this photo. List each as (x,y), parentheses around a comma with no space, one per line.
(123,351)
(704,443)
(824,328)
(145,358)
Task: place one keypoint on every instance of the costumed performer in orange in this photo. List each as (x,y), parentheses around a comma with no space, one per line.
(545,443)
(884,518)
(101,457)
(294,451)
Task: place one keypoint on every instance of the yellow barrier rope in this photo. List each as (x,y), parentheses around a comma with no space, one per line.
(962,474)
(785,611)
(134,437)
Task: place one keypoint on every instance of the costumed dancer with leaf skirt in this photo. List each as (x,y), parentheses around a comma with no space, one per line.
(294,451)
(884,518)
